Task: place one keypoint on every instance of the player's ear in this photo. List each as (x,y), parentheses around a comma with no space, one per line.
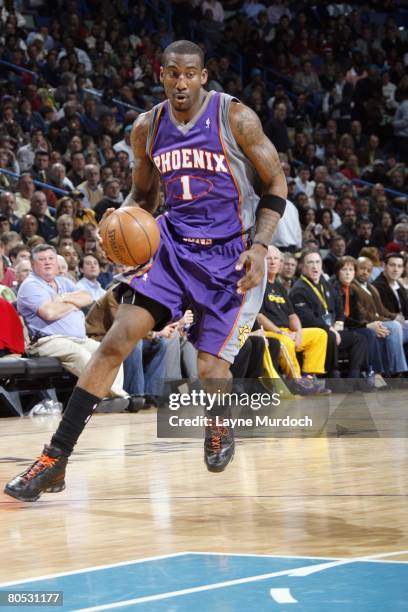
(204,76)
(161,74)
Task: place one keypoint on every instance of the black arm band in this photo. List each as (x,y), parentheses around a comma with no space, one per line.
(265,246)
(273,202)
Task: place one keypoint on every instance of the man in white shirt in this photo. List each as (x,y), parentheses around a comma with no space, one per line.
(303,183)
(82,56)
(25,154)
(288,233)
(90,270)
(93,192)
(330,202)
(124,144)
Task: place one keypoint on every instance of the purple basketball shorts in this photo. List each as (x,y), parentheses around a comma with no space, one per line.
(203,278)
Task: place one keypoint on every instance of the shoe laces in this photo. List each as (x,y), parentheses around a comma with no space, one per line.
(42,463)
(217,433)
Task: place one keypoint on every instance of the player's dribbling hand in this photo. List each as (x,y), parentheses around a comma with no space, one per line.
(253,261)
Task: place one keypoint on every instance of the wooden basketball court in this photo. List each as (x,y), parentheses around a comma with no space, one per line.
(131,496)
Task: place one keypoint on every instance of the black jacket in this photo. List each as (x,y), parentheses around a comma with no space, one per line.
(309,308)
(388,297)
(329,263)
(353,321)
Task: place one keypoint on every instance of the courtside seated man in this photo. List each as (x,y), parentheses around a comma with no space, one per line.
(209,151)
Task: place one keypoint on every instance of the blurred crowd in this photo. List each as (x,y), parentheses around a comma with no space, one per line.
(328,80)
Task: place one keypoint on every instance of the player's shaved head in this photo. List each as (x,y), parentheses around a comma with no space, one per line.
(183,47)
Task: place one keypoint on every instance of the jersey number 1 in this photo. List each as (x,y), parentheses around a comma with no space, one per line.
(185,184)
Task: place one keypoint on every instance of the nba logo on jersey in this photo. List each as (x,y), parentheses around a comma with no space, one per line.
(208,123)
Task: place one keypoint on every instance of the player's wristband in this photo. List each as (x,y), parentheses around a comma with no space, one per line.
(261,243)
(273,202)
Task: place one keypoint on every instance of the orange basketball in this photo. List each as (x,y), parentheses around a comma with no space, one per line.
(130,236)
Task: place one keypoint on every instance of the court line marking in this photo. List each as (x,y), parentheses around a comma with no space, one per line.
(282,596)
(298,572)
(93,568)
(277,556)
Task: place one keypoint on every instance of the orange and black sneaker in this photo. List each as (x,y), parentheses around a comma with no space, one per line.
(45,475)
(219,447)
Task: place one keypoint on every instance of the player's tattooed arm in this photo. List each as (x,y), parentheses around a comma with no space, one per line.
(145,177)
(247,130)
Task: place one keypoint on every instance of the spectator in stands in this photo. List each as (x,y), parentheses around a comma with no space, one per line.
(39,169)
(363,209)
(324,230)
(65,227)
(318,304)
(330,202)
(4,224)
(51,308)
(22,270)
(62,266)
(399,243)
(303,183)
(112,197)
(319,194)
(8,206)
(374,256)
(77,173)
(181,356)
(65,206)
(124,144)
(24,194)
(363,238)
(373,330)
(19,253)
(91,189)
(348,229)
(10,240)
(307,81)
(89,118)
(70,255)
(7,274)
(26,153)
(58,178)
(90,270)
(82,215)
(276,129)
(287,271)
(393,294)
(39,209)
(28,228)
(249,362)
(370,312)
(278,319)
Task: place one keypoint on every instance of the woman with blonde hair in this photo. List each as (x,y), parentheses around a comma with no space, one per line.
(72,205)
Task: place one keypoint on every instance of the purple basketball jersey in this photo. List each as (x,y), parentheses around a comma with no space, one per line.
(202,195)
(210,195)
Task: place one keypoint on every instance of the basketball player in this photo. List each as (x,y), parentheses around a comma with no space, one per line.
(213,158)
